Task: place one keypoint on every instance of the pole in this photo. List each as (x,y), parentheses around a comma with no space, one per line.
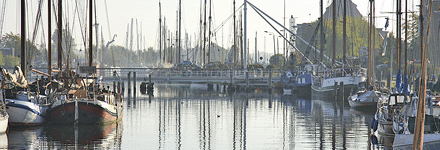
(23,37)
(274,48)
(235,38)
(399,39)
(90,32)
(256,53)
(420,118)
(49,39)
(180,24)
(160,33)
(334,34)
(322,31)
(245,35)
(344,40)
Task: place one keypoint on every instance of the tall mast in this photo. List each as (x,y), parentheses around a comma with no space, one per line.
(160,33)
(344,38)
(180,25)
(96,30)
(60,36)
(209,35)
(90,32)
(420,118)
(49,39)
(204,34)
(23,37)
(164,40)
(322,32)
(245,35)
(334,34)
(235,38)
(405,72)
(399,33)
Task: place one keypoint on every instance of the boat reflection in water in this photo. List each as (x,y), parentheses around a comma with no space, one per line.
(25,137)
(84,136)
(3,141)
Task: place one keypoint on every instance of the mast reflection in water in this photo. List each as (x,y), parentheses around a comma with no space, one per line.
(191,117)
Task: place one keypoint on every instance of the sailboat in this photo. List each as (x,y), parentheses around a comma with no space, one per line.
(87,99)
(24,107)
(327,79)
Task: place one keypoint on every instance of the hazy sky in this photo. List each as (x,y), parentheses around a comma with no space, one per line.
(147,11)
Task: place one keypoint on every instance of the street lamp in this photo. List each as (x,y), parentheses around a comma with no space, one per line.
(273,35)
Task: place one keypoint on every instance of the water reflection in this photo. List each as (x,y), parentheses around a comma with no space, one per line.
(184,117)
(181,117)
(63,137)
(84,136)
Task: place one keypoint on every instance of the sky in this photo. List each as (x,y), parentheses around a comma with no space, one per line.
(147,12)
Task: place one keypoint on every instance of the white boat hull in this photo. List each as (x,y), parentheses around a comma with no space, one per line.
(24,113)
(405,141)
(4,117)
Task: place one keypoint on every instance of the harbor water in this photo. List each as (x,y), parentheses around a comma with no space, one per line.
(184,116)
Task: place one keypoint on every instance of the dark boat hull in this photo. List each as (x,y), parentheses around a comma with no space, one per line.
(85,112)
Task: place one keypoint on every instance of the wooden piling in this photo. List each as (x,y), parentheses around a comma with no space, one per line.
(342,92)
(134,84)
(129,84)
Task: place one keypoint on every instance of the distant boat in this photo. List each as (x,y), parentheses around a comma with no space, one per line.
(366,97)
(324,81)
(386,110)
(303,87)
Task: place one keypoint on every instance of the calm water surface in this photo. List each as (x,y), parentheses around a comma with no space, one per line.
(191,117)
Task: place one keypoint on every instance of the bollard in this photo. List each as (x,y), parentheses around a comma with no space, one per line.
(270,79)
(342,91)
(129,85)
(247,80)
(134,84)
(335,90)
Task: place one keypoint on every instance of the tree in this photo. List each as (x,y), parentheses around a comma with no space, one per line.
(277,60)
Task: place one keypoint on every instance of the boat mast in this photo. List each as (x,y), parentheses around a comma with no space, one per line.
(322,31)
(344,38)
(180,25)
(420,118)
(49,39)
(209,29)
(23,37)
(235,38)
(60,37)
(90,32)
(399,34)
(160,33)
(245,35)
(334,34)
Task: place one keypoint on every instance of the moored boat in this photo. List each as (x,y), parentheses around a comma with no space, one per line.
(96,106)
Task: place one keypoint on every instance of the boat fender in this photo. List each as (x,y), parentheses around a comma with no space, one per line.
(374,140)
(374,123)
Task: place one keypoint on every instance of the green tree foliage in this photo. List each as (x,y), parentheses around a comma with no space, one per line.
(11,61)
(357,36)
(277,60)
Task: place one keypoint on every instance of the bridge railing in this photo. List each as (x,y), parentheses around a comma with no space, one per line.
(165,72)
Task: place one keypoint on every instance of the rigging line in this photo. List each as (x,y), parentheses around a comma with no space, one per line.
(227,19)
(80,24)
(314,48)
(281,34)
(36,27)
(2,19)
(108,22)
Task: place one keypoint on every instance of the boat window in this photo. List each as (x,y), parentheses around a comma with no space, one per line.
(400,99)
(303,80)
(392,100)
